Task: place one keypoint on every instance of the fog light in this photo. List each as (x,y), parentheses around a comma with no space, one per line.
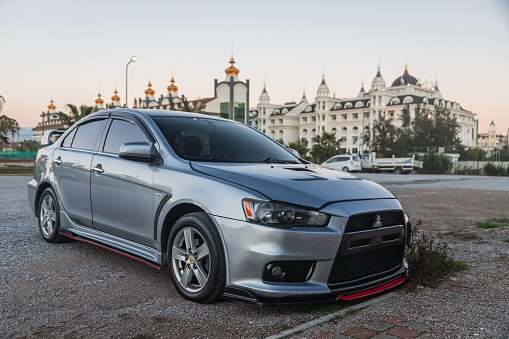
(276,271)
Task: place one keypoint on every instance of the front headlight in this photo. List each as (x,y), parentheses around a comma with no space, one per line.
(268,213)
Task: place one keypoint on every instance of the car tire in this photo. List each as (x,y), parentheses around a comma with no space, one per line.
(196,259)
(398,170)
(49,217)
(345,169)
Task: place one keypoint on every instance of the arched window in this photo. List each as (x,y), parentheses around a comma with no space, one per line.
(284,111)
(408,100)
(355,130)
(358,104)
(305,133)
(337,106)
(313,133)
(348,105)
(273,134)
(276,111)
(395,101)
(281,134)
(308,109)
(334,131)
(344,131)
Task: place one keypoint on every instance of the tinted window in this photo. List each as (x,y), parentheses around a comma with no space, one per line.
(67,142)
(86,136)
(343,158)
(220,140)
(120,132)
(355,158)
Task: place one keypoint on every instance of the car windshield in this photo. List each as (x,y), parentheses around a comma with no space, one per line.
(215,140)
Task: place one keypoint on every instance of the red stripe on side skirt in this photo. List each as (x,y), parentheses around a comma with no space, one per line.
(109,249)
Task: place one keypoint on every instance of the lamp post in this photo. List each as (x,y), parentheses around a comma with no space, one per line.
(362,132)
(477,141)
(133,59)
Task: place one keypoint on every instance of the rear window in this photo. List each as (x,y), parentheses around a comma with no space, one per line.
(355,157)
(86,135)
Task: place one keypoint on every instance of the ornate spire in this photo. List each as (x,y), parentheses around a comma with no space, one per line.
(149,91)
(232,71)
(172,88)
(51,107)
(115,98)
(99,101)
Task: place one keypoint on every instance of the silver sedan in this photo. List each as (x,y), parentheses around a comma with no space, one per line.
(232,212)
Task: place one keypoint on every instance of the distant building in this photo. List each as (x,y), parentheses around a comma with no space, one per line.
(230,100)
(492,139)
(50,121)
(348,117)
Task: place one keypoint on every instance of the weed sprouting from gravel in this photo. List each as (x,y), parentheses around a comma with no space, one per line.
(493,223)
(429,260)
(506,240)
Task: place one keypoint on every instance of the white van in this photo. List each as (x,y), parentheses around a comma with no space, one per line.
(344,162)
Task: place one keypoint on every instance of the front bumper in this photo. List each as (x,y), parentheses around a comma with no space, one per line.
(251,247)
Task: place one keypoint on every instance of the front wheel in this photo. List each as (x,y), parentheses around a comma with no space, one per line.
(49,217)
(398,170)
(196,259)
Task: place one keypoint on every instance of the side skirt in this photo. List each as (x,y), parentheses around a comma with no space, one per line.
(68,234)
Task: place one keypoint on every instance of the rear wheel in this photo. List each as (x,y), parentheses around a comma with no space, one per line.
(49,217)
(398,170)
(196,259)
(345,169)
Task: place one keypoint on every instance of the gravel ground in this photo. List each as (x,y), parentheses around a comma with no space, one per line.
(77,290)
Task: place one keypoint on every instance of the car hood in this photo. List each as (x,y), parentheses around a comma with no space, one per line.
(306,185)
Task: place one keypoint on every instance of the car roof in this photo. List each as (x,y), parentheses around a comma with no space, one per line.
(151,113)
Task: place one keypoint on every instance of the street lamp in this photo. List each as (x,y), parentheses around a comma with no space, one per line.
(477,141)
(133,59)
(362,132)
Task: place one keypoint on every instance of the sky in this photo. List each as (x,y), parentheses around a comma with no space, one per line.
(69,50)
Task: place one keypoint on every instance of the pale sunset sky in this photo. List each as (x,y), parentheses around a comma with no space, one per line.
(72,49)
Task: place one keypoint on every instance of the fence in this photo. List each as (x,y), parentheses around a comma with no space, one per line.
(17,155)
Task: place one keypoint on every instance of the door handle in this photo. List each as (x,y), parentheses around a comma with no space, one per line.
(57,161)
(97,169)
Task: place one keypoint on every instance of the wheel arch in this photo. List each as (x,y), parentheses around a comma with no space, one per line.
(172,216)
(42,186)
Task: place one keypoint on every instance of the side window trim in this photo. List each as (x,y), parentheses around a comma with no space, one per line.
(72,131)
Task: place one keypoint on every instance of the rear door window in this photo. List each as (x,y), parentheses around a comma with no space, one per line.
(67,142)
(120,132)
(86,135)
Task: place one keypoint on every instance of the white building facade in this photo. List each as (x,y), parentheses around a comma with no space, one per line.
(348,117)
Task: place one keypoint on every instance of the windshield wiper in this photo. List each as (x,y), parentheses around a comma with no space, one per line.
(278,161)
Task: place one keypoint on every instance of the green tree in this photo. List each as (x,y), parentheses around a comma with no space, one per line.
(29,145)
(385,135)
(300,146)
(324,147)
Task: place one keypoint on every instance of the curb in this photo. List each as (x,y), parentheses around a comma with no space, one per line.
(328,317)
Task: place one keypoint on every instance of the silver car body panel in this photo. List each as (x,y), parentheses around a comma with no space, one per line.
(135,225)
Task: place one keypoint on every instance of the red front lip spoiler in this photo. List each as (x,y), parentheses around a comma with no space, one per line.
(375,290)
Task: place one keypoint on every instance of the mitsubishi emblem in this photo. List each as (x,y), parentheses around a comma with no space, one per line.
(377,222)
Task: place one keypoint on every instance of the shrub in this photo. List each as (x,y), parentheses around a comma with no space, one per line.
(493,223)
(491,169)
(436,163)
(429,259)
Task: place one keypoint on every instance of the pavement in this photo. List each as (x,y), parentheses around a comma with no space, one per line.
(75,290)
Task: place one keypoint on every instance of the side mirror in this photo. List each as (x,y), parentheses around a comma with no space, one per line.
(138,151)
(50,137)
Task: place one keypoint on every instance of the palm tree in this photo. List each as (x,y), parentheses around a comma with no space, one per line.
(76,114)
(325,146)
(301,146)
(7,125)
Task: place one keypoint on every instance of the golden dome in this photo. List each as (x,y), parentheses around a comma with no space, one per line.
(232,71)
(149,91)
(115,98)
(99,101)
(172,88)
(52,107)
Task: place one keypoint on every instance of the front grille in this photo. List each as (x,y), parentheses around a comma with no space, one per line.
(363,222)
(359,265)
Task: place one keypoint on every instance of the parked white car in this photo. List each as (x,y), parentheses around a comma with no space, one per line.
(344,162)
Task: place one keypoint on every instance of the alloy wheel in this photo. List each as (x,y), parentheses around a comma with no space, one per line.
(47,215)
